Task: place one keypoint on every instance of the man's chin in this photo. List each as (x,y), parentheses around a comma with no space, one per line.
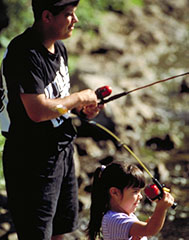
(68,35)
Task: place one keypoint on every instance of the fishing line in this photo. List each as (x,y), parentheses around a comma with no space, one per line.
(160,186)
(121,144)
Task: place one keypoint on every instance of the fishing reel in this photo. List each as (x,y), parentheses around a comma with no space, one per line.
(156,190)
(152,192)
(103,92)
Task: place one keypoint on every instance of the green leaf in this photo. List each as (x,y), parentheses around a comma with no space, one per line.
(137,2)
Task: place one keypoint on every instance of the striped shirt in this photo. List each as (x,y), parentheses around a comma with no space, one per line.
(116,226)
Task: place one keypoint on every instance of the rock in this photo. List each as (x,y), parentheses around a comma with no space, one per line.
(185,86)
(160,144)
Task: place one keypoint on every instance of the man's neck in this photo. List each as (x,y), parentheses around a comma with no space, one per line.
(50,48)
(42,35)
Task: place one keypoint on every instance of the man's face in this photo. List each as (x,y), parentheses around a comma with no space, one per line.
(62,24)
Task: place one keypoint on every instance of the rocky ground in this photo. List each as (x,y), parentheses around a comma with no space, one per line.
(128,51)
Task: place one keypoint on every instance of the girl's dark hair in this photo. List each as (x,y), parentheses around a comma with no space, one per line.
(117,174)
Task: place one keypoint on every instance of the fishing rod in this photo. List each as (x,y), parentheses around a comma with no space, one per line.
(152,191)
(106,90)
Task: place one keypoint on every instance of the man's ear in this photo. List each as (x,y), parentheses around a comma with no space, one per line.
(114,192)
(46,16)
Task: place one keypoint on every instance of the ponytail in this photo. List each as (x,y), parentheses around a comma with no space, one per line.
(99,201)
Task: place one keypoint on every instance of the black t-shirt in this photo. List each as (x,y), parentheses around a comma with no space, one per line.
(28,67)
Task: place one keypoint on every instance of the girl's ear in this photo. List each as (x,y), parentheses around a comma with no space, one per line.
(46,16)
(114,192)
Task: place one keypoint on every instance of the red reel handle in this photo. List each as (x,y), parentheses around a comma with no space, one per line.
(153,192)
(103,92)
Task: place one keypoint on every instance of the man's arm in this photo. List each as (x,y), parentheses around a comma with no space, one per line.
(39,108)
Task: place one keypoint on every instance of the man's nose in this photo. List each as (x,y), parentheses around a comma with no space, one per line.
(75,18)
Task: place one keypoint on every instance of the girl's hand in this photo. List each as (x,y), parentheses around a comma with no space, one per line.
(167,200)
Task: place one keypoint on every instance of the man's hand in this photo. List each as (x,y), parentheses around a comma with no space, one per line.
(91,111)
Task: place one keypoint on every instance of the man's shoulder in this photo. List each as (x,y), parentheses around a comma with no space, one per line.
(23,46)
(60,46)
(60,43)
(62,50)
(21,40)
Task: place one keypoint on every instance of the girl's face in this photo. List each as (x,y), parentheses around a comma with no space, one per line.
(129,199)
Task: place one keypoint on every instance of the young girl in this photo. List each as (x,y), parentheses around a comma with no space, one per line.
(116,194)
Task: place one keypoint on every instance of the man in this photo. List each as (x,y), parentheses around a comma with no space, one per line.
(38,152)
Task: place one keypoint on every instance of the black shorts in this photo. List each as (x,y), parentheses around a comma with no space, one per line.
(42,190)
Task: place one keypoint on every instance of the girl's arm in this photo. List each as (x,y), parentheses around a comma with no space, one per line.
(155,223)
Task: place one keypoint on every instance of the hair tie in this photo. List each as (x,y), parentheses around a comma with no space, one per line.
(101,170)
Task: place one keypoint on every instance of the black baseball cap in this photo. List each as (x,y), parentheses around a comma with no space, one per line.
(61,3)
(49,4)
(53,5)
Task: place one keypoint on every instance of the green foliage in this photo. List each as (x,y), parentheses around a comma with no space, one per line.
(117,5)
(88,15)
(139,3)
(90,11)
(20,16)
(72,63)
